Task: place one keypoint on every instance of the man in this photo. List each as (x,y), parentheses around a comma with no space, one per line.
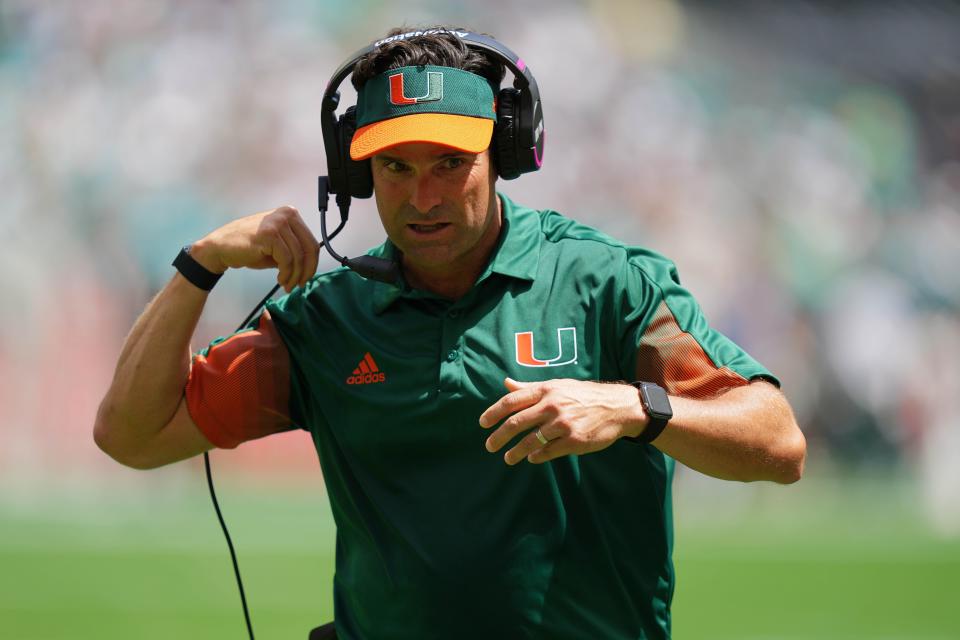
(491,470)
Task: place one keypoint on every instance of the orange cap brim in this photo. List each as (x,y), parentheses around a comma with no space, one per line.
(464,133)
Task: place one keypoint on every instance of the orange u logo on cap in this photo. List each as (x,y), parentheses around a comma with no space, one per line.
(433,94)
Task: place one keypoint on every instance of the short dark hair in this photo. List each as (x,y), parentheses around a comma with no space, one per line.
(439,48)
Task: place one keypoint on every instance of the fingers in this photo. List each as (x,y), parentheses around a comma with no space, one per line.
(513,426)
(559,444)
(277,238)
(297,250)
(525,396)
(292,266)
(310,247)
(529,444)
(554,449)
(515,385)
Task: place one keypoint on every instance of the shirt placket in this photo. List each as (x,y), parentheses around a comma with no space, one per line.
(450,383)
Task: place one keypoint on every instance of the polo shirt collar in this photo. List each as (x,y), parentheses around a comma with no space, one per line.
(517,254)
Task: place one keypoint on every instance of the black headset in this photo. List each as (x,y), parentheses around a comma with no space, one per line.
(517,136)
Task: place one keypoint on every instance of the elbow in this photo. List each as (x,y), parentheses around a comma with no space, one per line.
(107,432)
(790,457)
(103,431)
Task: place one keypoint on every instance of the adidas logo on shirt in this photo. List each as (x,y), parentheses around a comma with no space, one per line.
(367,372)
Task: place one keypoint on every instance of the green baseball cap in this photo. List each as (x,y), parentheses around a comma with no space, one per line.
(425,103)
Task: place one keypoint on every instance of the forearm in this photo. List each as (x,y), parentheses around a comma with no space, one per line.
(746,434)
(152,370)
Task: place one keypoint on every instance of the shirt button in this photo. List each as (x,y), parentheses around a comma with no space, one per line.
(452,355)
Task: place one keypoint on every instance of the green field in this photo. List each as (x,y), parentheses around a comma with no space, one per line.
(802,562)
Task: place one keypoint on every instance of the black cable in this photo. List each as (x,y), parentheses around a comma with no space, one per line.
(367,266)
(343,205)
(206,455)
(260,304)
(233,554)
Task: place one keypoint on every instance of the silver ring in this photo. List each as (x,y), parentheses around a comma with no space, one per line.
(540,436)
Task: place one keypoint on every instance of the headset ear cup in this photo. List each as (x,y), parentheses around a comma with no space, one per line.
(358,175)
(505,134)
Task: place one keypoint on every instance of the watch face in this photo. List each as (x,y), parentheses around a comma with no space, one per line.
(658,404)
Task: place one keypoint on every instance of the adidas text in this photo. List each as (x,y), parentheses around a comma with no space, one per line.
(366,378)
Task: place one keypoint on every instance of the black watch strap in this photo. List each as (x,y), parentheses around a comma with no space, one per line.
(656,405)
(198,275)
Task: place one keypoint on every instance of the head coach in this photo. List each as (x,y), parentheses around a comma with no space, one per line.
(497,426)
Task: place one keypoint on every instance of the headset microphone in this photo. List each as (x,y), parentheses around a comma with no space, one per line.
(369,267)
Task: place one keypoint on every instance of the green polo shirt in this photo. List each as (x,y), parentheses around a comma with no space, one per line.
(436,537)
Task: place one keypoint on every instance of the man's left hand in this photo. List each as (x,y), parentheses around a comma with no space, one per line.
(574,416)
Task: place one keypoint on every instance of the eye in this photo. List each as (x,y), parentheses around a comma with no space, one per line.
(395,166)
(453,163)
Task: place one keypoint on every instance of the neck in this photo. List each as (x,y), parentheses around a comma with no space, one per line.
(452,287)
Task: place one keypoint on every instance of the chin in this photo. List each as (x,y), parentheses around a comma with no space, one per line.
(429,260)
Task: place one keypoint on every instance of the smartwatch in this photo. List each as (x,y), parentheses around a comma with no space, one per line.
(656,405)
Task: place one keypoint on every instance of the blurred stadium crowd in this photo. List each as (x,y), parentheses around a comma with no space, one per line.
(800,162)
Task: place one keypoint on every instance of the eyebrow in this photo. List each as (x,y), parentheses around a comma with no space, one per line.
(383,157)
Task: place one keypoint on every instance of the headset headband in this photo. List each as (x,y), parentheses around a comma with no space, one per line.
(522,76)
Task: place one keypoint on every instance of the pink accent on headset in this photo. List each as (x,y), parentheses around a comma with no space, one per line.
(521,64)
(536,156)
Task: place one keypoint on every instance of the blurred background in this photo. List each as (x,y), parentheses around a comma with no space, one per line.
(800,162)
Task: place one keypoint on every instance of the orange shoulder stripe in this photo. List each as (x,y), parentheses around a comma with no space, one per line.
(240,390)
(672,358)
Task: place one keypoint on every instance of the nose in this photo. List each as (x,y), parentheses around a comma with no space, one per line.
(426,194)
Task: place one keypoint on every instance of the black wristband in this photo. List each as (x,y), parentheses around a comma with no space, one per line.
(654,428)
(198,275)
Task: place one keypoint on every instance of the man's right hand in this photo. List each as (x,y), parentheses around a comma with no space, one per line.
(278,238)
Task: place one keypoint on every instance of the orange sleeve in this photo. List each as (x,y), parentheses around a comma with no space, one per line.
(672,358)
(239,389)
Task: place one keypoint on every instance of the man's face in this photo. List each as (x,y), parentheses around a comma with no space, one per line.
(439,207)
